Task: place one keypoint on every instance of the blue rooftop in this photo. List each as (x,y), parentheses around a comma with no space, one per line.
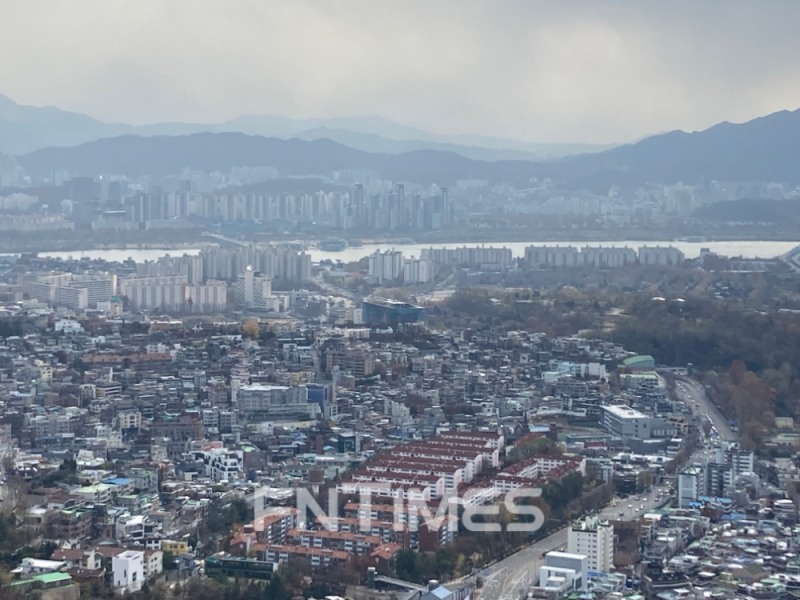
(441,592)
(719,499)
(539,428)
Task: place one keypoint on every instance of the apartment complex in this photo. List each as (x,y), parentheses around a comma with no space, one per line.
(487,258)
(174,294)
(227,263)
(600,257)
(73,291)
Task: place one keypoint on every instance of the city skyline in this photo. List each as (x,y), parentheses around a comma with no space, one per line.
(351,299)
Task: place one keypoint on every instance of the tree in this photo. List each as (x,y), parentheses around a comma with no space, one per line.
(560,493)
(406,565)
(540,446)
(643,480)
(222,518)
(737,372)
(168,561)
(277,590)
(250,329)
(445,564)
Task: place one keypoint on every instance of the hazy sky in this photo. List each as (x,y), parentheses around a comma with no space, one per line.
(591,71)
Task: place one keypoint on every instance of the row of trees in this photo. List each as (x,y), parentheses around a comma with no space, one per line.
(710,334)
(278,588)
(751,359)
(559,313)
(746,398)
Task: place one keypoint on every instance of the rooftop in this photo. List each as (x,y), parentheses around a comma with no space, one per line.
(46,578)
(624,412)
(388,303)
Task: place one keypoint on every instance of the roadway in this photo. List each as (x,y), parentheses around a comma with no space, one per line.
(509,578)
(694,395)
(334,290)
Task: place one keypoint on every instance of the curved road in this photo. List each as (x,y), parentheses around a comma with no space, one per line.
(509,578)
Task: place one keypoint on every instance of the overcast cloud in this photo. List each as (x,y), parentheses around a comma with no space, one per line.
(558,71)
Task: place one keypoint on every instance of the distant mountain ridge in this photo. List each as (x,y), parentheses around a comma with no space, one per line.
(164,155)
(24,129)
(763,149)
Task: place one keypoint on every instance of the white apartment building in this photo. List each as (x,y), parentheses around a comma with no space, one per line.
(253,289)
(417,270)
(386,266)
(600,257)
(656,255)
(128,571)
(273,261)
(73,291)
(487,258)
(35,223)
(212,296)
(174,294)
(593,538)
(606,258)
(562,257)
(691,485)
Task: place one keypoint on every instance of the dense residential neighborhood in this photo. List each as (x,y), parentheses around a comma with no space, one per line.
(350,442)
(379,300)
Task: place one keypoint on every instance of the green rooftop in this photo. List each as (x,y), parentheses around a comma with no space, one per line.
(641,362)
(46,578)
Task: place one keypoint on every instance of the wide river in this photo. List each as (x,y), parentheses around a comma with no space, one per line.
(745,249)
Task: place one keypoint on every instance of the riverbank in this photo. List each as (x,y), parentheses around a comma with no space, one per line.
(763,249)
(77,242)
